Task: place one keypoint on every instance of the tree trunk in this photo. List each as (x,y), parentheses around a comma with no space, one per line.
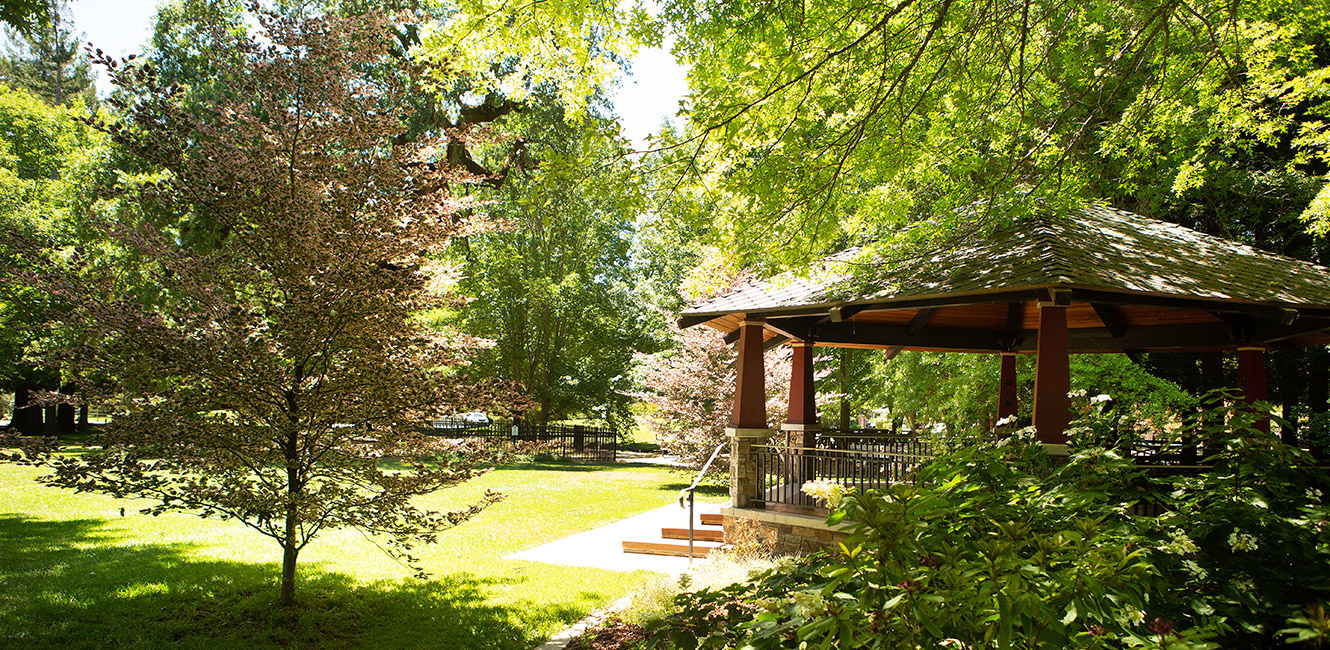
(27,419)
(289,555)
(65,413)
(290,548)
(83,417)
(49,424)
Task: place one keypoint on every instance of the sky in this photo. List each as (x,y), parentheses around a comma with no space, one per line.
(644,100)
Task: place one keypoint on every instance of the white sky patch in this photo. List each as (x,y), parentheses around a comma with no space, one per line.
(649,96)
(117,27)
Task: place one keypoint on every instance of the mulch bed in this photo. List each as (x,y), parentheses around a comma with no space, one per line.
(613,634)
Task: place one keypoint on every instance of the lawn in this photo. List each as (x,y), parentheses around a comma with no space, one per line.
(74,573)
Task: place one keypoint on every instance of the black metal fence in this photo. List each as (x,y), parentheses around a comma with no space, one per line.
(782,472)
(868,440)
(572,442)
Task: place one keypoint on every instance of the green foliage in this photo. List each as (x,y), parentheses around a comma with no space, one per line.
(921,388)
(46,58)
(555,290)
(842,122)
(1261,530)
(50,166)
(996,546)
(520,49)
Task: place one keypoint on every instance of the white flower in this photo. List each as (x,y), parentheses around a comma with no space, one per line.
(1179,544)
(826,490)
(808,602)
(1078,393)
(1240,541)
(1129,616)
(1195,569)
(1102,397)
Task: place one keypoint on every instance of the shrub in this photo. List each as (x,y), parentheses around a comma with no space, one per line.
(997,546)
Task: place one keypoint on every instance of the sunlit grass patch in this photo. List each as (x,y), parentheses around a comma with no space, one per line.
(74,573)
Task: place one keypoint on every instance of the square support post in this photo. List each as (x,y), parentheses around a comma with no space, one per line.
(1007,387)
(802,412)
(801,425)
(750,391)
(748,425)
(1052,378)
(1251,381)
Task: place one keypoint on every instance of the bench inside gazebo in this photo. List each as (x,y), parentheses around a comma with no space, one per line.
(1090,280)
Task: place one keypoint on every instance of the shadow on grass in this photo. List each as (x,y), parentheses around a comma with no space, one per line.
(562,466)
(703,489)
(76,584)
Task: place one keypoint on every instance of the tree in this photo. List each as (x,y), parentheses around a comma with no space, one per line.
(22,15)
(48,164)
(557,291)
(47,60)
(690,391)
(848,121)
(272,370)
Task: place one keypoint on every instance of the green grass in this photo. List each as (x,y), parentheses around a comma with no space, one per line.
(74,573)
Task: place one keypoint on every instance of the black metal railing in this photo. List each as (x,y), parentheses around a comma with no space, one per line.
(782,472)
(569,441)
(874,441)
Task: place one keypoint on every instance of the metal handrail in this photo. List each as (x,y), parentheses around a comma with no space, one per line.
(689,492)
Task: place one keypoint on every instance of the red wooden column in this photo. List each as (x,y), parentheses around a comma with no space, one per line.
(750,391)
(802,413)
(1251,380)
(1007,389)
(748,424)
(1052,375)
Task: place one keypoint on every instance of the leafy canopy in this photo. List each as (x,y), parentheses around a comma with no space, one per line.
(279,364)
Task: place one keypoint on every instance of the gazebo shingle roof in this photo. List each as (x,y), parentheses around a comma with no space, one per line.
(1097,248)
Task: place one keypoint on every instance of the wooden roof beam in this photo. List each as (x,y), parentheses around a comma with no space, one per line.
(1011,332)
(685,322)
(1281,315)
(799,328)
(920,320)
(1108,314)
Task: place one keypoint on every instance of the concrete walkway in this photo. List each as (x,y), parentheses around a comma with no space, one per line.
(602,548)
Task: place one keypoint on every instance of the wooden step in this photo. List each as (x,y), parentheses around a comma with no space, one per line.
(712,519)
(700,549)
(699,534)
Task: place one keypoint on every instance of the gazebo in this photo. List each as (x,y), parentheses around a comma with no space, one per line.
(1056,283)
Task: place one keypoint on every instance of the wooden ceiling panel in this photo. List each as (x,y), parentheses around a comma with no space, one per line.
(987,317)
(1133,316)
(894,317)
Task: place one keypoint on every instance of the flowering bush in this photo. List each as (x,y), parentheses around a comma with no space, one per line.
(827,491)
(691,391)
